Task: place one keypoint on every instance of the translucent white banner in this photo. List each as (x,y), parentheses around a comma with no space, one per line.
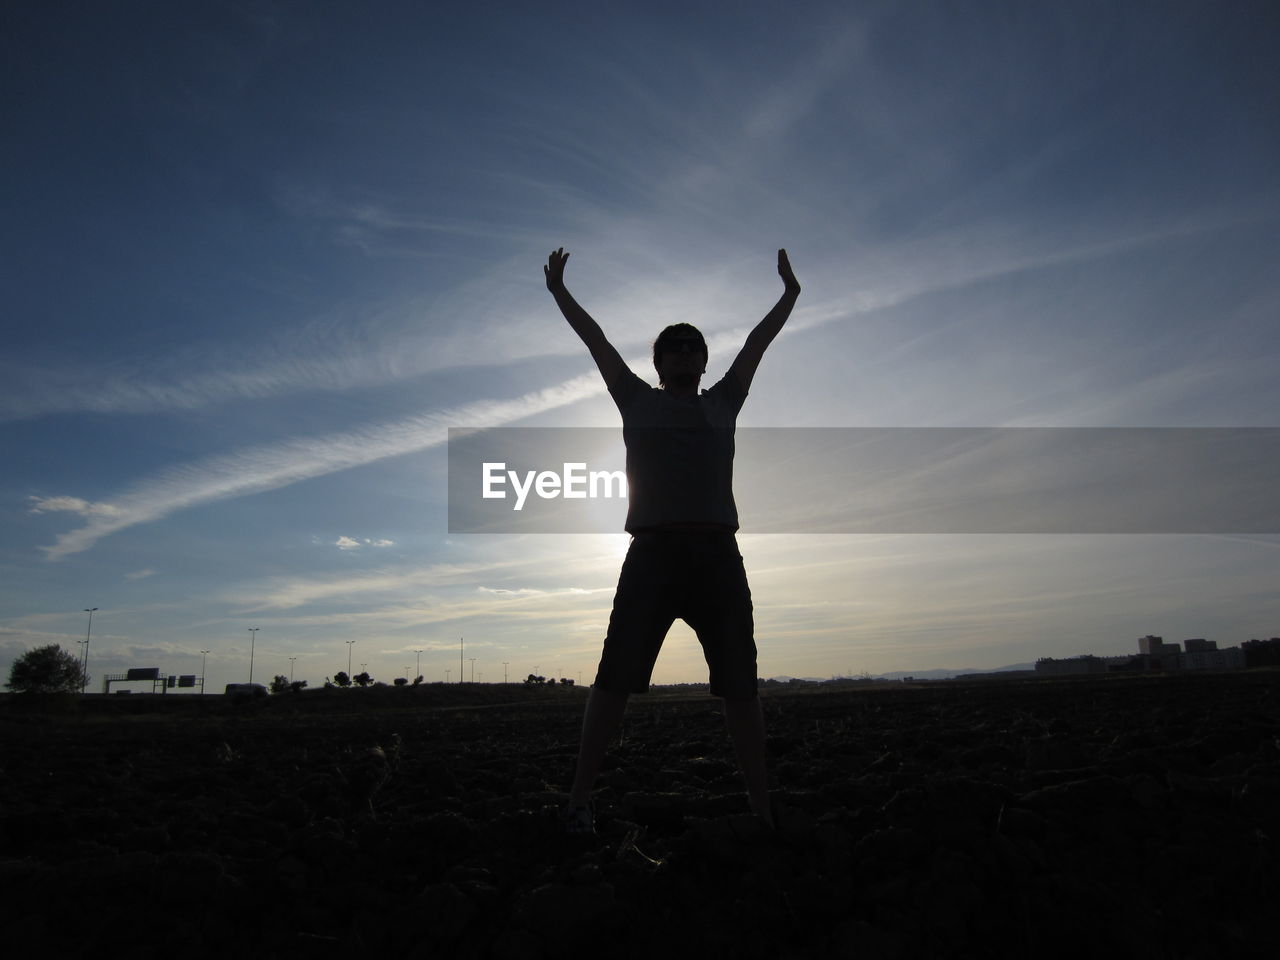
(894,480)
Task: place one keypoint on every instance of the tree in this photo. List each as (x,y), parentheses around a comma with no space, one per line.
(402,681)
(296,686)
(341,679)
(363,679)
(47,670)
(279,683)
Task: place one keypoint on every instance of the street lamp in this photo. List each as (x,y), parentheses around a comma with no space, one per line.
(203,654)
(418,670)
(84,683)
(253,636)
(291,659)
(504,670)
(349,644)
(473,668)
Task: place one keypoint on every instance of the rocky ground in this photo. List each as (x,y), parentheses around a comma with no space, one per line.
(994,819)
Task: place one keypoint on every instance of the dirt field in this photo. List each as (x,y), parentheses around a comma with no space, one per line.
(995,819)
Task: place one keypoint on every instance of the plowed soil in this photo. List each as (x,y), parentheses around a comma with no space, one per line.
(993,819)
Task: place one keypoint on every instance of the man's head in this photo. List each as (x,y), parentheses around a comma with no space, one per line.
(680,356)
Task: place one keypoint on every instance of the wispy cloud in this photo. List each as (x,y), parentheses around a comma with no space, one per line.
(267,467)
(140,574)
(352,543)
(74,505)
(507,569)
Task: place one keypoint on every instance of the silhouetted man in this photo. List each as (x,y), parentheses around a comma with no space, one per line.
(683,560)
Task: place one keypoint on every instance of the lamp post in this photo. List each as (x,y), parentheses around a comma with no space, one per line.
(473,668)
(418,669)
(349,644)
(291,659)
(203,654)
(447,671)
(504,670)
(253,636)
(84,682)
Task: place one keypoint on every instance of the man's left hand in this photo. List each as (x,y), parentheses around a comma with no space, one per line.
(784,271)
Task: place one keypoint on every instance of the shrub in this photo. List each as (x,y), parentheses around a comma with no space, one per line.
(46,670)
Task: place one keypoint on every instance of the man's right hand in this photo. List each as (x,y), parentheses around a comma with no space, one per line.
(554,270)
(611,365)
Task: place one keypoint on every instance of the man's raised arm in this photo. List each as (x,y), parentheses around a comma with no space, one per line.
(744,365)
(606,357)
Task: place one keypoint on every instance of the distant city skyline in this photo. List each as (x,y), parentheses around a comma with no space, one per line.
(188,684)
(260,259)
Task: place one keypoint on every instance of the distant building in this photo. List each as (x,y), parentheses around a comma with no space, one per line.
(1135,663)
(1156,647)
(1087,664)
(1261,653)
(1232,658)
(1157,656)
(1200,654)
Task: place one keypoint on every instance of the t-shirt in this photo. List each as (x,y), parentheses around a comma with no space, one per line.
(679,453)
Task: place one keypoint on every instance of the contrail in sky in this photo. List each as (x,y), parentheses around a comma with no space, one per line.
(269,466)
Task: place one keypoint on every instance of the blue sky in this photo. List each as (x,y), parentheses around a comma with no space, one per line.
(259,257)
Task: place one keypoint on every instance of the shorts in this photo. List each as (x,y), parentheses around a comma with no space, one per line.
(697,577)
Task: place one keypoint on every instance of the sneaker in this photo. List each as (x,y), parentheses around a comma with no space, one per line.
(579,822)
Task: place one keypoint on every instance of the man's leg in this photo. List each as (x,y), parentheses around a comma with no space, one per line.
(640,619)
(604,714)
(746,727)
(725,626)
